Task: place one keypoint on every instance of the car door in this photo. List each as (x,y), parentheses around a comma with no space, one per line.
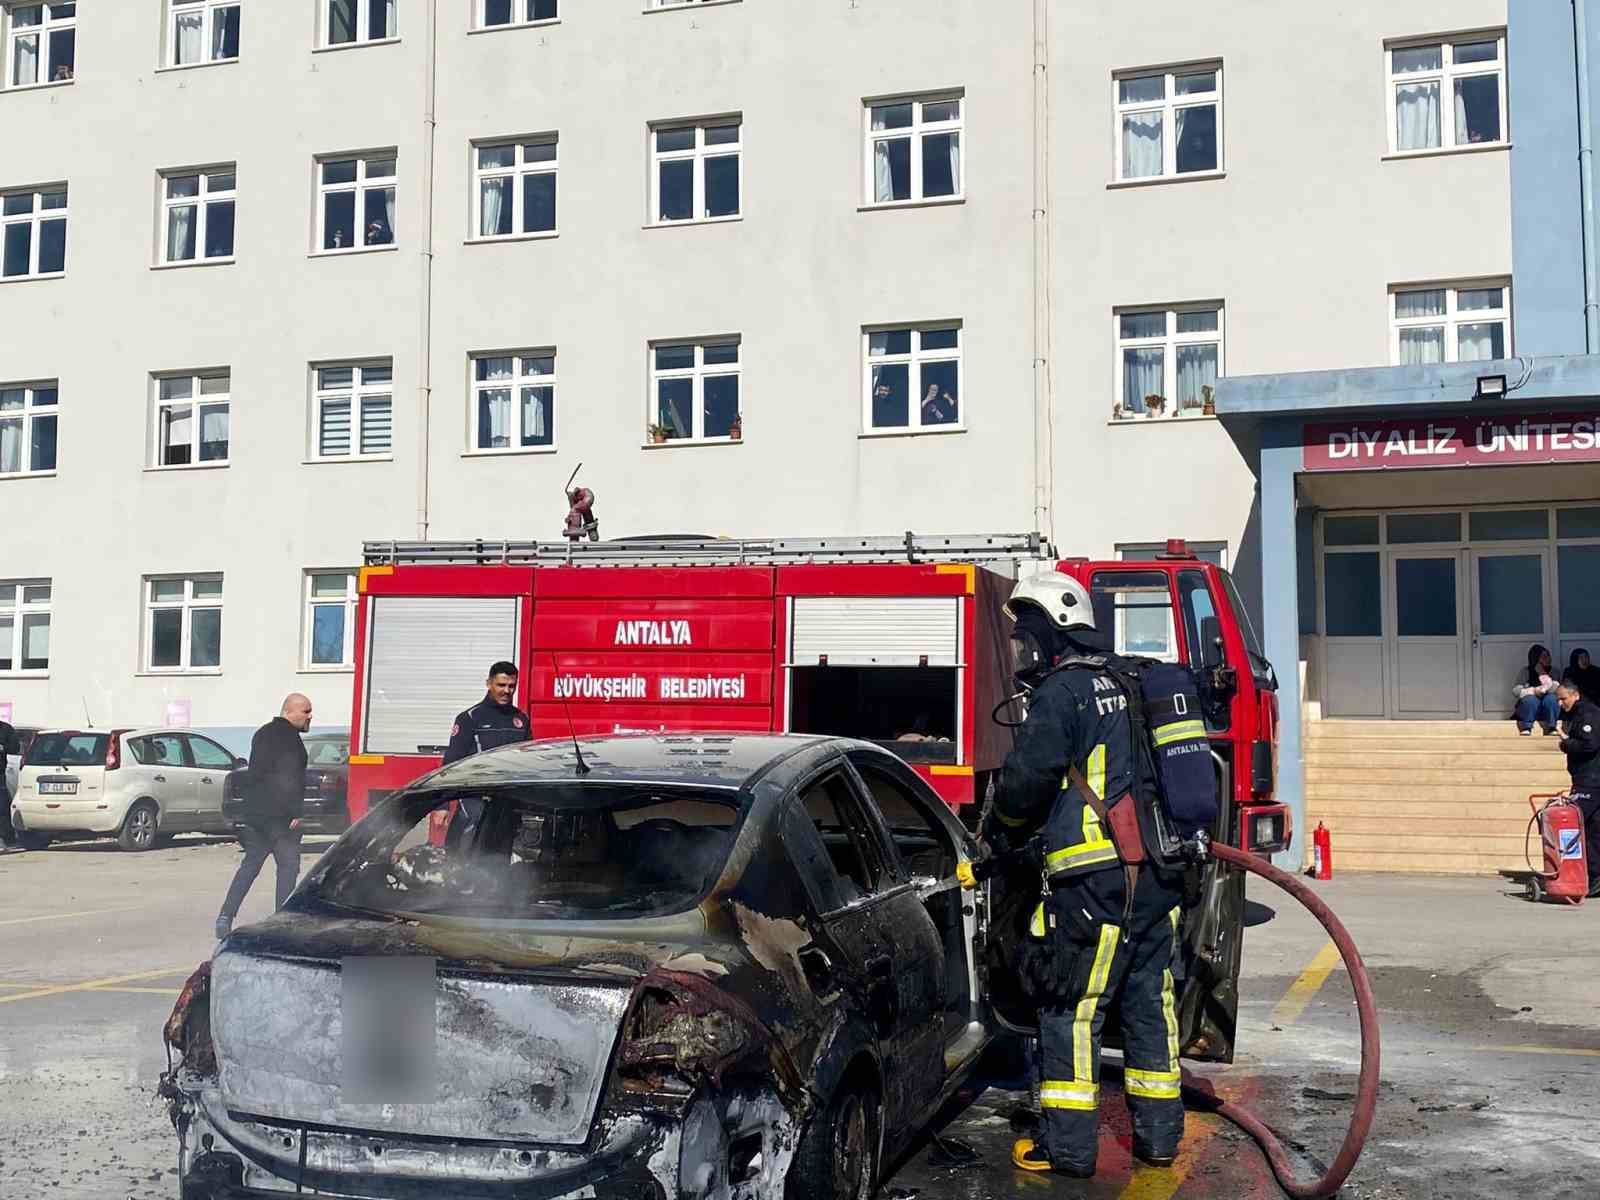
(893,961)
(211,766)
(169,779)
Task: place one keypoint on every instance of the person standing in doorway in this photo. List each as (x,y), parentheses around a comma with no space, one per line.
(274,787)
(1581,719)
(493,722)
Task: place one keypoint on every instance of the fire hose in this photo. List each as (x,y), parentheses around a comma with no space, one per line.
(1366,1010)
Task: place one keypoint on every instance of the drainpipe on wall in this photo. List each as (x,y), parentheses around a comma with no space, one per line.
(1043,398)
(425,331)
(1591,301)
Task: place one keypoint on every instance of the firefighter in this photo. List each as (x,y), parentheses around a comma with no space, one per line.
(1581,724)
(493,721)
(1089,943)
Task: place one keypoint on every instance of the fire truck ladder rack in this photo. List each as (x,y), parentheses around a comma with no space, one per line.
(694,551)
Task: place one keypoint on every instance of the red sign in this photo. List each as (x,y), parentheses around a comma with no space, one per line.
(1451,441)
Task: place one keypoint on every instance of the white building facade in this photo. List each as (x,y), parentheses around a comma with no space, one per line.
(280,279)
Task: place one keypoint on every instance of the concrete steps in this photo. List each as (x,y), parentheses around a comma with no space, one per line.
(1431,797)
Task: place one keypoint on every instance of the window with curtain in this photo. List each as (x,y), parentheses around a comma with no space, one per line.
(493,14)
(1469,322)
(198,214)
(329,620)
(1169,122)
(913,379)
(352,410)
(33,232)
(183,623)
(696,171)
(1447,94)
(202,31)
(28,428)
(1168,361)
(515,194)
(357,22)
(191,419)
(24,626)
(356,203)
(914,149)
(513,401)
(694,391)
(41,43)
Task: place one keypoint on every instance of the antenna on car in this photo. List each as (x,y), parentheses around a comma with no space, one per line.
(577,750)
(87,719)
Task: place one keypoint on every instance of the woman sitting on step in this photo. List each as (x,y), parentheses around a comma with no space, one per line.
(1536,694)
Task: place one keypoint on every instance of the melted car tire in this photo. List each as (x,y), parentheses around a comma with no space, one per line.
(140,827)
(837,1155)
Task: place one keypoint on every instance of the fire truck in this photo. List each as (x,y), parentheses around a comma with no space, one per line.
(896,640)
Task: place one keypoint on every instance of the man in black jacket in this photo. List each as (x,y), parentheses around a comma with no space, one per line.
(9,745)
(1581,719)
(274,790)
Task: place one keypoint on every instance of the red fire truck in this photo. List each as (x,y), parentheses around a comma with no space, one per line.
(897,640)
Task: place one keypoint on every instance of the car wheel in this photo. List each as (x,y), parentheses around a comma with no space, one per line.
(139,828)
(837,1156)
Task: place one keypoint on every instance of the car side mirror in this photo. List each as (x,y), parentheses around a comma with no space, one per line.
(240,764)
(1211,645)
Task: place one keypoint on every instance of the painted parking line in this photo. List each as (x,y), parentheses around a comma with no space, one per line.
(1558,1050)
(1304,989)
(91,985)
(88,912)
(143,991)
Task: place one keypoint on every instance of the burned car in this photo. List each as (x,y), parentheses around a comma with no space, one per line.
(655,967)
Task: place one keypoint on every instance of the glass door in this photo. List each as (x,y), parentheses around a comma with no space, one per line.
(1429,679)
(1510,608)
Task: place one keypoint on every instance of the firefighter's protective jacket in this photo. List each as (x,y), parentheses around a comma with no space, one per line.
(1077,717)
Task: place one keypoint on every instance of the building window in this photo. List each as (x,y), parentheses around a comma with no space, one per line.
(494,14)
(516,192)
(353,21)
(1448,95)
(202,31)
(197,215)
(513,400)
(356,208)
(183,623)
(35,232)
(1457,323)
(697,173)
(24,626)
(191,420)
(353,410)
(330,620)
(695,391)
(913,378)
(41,43)
(28,428)
(1168,361)
(914,150)
(1169,122)
(1215,553)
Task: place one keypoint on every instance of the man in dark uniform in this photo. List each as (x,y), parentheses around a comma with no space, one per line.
(1581,723)
(1074,761)
(492,722)
(9,745)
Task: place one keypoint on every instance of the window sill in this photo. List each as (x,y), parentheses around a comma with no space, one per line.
(45,674)
(220,62)
(39,87)
(393,41)
(506,28)
(891,205)
(169,672)
(347,251)
(737,217)
(541,236)
(346,458)
(658,8)
(339,670)
(33,278)
(923,431)
(508,453)
(1445,151)
(9,475)
(1141,421)
(670,442)
(1158,180)
(199,466)
(199,262)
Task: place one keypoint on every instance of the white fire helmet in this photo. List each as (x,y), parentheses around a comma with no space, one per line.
(1060,597)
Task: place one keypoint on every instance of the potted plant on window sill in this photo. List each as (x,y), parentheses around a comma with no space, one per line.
(658,433)
(736,430)
(1155,404)
(1208,400)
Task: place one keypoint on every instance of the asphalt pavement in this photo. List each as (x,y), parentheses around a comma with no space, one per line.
(1491,1041)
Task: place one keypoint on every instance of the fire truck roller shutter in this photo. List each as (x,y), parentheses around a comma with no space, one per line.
(900,631)
(427,662)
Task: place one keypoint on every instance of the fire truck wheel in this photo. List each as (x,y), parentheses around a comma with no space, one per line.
(1535,891)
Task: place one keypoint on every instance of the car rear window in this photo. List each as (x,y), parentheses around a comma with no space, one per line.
(69,750)
(327,754)
(552,851)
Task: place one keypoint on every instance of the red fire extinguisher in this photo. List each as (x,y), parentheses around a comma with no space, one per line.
(1322,852)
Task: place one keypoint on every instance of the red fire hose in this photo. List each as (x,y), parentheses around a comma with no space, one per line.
(1366,1010)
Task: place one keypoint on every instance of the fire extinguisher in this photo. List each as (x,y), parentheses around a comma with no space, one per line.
(1322,852)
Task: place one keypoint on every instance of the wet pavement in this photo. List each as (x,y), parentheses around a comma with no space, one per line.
(1491,1079)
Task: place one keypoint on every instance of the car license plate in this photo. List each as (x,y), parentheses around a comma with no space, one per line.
(58,787)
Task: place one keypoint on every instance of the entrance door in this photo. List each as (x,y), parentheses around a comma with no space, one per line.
(1510,610)
(1429,678)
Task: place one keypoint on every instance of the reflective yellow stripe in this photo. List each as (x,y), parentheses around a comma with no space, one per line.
(1066,1093)
(1170,1014)
(1151,1076)
(1097,771)
(1011,821)
(1084,854)
(1151,1089)
(1083,1057)
(1178,731)
(1036,925)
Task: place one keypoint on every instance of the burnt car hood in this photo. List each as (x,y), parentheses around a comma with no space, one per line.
(526,1019)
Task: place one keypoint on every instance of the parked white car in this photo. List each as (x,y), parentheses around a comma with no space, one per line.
(138,785)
